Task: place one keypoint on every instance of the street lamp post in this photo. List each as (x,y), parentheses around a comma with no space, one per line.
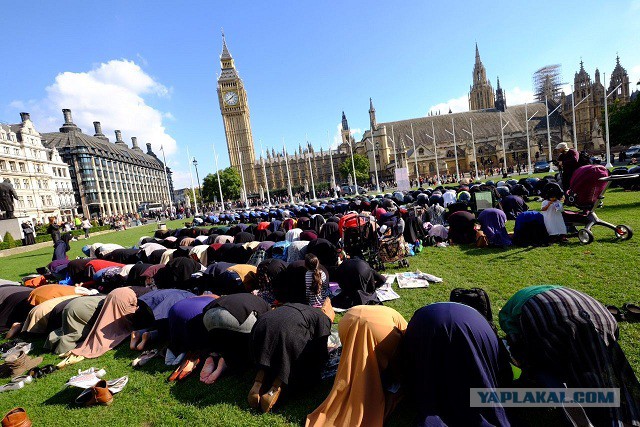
(313,186)
(573,114)
(435,151)
(473,144)
(195,165)
(546,105)
(606,120)
(415,153)
(455,147)
(528,119)
(193,192)
(504,150)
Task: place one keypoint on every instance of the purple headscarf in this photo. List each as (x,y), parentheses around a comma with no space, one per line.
(493,223)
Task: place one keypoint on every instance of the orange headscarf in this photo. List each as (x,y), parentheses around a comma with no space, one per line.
(370,335)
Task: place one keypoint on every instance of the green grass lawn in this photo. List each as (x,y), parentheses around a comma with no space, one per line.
(607,269)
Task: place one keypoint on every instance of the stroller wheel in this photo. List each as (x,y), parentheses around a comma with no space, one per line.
(585,236)
(623,232)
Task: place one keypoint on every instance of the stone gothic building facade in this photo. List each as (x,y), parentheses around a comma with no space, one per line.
(490,134)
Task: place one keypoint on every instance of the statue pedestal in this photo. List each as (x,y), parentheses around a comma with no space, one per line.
(13,226)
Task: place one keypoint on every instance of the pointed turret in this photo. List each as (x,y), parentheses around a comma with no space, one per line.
(501,99)
(373,125)
(481,95)
(345,124)
(620,77)
(228,68)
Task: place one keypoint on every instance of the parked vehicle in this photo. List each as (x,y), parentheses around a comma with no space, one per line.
(633,152)
(350,190)
(542,166)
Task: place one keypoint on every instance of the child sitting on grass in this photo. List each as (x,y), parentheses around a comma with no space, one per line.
(552,212)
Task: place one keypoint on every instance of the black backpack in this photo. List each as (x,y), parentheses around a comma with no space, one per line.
(584,159)
(476,298)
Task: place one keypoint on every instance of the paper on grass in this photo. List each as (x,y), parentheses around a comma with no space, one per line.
(416,279)
(386,292)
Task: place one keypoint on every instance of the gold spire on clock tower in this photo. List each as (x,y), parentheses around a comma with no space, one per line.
(235,116)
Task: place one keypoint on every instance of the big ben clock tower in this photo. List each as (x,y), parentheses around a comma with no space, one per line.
(235,116)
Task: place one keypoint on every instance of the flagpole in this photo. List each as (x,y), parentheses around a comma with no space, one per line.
(286,162)
(264,170)
(244,186)
(313,187)
(333,175)
(215,155)
(193,192)
(353,165)
(166,177)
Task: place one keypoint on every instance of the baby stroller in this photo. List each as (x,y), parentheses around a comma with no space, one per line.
(391,249)
(586,190)
(359,236)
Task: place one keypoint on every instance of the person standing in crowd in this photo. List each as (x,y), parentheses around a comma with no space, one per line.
(86,226)
(568,162)
(29,233)
(551,209)
(77,223)
(53,230)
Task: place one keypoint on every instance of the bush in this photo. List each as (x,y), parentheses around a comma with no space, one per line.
(9,242)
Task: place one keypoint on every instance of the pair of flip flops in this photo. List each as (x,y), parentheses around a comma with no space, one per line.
(186,368)
(629,311)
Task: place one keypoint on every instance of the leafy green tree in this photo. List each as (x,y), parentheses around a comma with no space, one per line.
(230,181)
(362,168)
(624,123)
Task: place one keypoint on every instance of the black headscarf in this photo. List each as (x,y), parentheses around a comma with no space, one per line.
(513,206)
(461,228)
(325,251)
(358,282)
(331,232)
(177,273)
(243,237)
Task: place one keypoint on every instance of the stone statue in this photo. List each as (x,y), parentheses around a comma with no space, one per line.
(7,194)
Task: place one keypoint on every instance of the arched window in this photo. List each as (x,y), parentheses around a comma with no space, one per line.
(421,151)
(432,167)
(450,153)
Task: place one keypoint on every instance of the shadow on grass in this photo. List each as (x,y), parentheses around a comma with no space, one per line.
(66,397)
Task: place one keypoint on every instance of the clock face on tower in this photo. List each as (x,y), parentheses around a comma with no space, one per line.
(230,98)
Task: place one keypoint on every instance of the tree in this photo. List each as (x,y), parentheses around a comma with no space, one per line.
(624,123)
(229,180)
(362,168)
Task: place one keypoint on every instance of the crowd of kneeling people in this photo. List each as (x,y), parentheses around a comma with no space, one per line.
(262,296)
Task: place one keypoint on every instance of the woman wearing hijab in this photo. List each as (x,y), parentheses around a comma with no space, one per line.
(267,274)
(325,251)
(177,273)
(113,325)
(289,346)
(447,349)
(229,320)
(358,282)
(187,334)
(293,235)
(235,279)
(561,336)
(331,232)
(513,206)
(38,318)
(155,305)
(492,222)
(530,230)
(61,247)
(370,336)
(76,320)
(462,228)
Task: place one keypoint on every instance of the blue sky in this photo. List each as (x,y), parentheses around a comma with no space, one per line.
(149,68)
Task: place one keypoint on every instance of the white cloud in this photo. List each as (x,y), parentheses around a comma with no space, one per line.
(457,105)
(518,96)
(114,93)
